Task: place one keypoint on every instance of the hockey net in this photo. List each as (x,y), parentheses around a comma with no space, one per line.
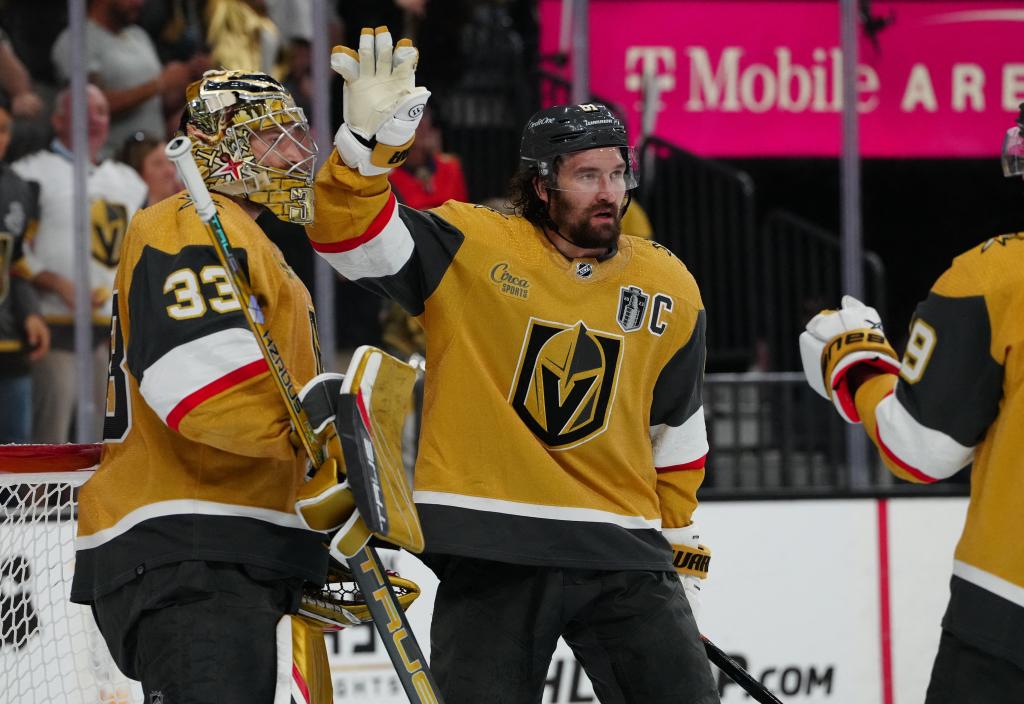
(50,649)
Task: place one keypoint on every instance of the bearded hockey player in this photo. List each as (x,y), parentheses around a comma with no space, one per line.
(188,547)
(563,434)
(956,398)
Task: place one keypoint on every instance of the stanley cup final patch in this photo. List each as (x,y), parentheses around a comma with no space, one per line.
(632,307)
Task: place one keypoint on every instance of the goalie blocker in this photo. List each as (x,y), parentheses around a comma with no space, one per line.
(362,489)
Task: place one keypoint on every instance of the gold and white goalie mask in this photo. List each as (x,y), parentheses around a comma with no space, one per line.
(250,140)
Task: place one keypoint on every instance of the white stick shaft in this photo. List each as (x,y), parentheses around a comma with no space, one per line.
(179,151)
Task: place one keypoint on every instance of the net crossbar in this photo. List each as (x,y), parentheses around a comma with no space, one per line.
(50,649)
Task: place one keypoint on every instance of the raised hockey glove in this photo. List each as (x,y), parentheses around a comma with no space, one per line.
(837,341)
(691,560)
(383,105)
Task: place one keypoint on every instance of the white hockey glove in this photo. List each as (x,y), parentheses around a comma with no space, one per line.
(835,342)
(383,105)
(691,560)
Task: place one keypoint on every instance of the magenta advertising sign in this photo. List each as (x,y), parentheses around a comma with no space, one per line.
(763,78)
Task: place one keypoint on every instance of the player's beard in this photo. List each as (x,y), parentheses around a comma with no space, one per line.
(575,224)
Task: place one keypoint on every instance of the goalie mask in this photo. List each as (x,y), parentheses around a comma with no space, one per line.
(565,129)
(250,140)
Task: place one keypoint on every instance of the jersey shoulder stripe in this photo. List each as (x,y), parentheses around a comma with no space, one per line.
(923,452)
(680,447)
(198,370)
(382,250)
(186,296)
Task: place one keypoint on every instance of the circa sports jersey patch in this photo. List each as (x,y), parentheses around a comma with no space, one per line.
(508,282)
(564,385)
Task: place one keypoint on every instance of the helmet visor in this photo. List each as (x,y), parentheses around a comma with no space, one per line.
(1013,152)
(603,169)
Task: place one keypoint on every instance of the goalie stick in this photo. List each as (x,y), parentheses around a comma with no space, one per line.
(737,674)
(388,617)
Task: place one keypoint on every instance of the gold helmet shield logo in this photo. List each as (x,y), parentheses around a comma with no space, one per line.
(565,383)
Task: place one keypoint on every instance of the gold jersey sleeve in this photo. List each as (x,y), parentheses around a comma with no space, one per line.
(959,400)
(196,459)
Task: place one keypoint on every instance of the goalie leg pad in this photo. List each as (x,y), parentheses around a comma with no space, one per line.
(303,671)
(375,400)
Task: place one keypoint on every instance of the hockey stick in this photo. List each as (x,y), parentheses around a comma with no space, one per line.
(388,617)
(737,674)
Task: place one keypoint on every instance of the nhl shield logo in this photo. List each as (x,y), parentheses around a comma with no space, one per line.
(584,270)
(632,307)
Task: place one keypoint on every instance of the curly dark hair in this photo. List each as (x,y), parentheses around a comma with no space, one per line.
(523,196)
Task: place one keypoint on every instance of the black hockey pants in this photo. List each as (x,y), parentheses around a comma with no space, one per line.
(495,627)
(199,632)
(965,675)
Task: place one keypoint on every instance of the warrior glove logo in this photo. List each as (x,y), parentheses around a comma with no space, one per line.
(565,382)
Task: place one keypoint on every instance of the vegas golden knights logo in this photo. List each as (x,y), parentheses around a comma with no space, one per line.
(565,382)
(109,224)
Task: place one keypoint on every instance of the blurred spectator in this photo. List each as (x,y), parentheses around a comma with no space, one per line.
(435,26)
(32,26)
(242,37)
(16,82)
(122,60)
(176,27)
(429,177)
(146,155)
(293,19)
(24,336)
(115,191)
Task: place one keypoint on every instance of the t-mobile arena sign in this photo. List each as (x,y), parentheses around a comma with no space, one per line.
(762,78)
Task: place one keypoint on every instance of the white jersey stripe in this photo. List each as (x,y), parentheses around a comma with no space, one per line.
(382,255)
(989,582)
(187,507)
(189,367)
(680,444)
(930,452)
(516,508)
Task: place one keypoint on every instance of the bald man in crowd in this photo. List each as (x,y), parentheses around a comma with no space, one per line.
(115,192)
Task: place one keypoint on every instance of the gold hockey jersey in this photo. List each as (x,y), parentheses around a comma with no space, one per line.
(196,461)
(960,397)
(562,415)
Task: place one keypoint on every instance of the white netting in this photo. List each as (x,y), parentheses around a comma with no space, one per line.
(50,649)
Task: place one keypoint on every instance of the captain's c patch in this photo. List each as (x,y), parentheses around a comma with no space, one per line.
(565,382)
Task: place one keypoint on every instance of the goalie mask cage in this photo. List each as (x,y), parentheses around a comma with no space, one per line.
(50,649)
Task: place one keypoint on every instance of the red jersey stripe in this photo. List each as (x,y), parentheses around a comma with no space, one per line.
(216,386)
(695,464)
(909,469)
(375,228)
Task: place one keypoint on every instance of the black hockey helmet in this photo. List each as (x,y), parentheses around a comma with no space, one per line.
(564,129)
